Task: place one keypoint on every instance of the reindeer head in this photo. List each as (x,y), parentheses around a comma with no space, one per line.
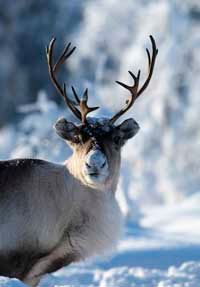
(96,142)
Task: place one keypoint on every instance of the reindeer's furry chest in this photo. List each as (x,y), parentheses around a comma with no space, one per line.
(96,226)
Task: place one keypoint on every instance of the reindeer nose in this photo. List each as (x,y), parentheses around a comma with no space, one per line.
(96,160)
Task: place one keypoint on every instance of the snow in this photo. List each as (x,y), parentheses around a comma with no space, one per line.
(158,190)
(186,275)
(179,218)
(6,282)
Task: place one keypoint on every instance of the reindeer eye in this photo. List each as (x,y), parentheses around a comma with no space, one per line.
(77,139)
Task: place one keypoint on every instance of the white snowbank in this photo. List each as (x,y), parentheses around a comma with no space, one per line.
(181,219)
(187,275)
(6,282)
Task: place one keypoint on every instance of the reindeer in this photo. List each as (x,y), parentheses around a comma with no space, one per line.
(51,214)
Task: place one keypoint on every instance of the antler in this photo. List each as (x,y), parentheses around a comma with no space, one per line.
(135,93)
(83,104)
(53,68)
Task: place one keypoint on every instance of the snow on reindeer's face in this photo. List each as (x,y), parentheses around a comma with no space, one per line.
(97,147)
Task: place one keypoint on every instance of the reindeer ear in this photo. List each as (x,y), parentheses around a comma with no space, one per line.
(128,129)
(66,130)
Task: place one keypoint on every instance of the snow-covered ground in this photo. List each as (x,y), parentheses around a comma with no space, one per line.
(159,188)
(186,275)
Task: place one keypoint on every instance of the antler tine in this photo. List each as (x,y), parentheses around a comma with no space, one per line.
(75,96)
(151,62)
(135,93)
(53,69)
(84,109)
(129,102)
(66,54)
